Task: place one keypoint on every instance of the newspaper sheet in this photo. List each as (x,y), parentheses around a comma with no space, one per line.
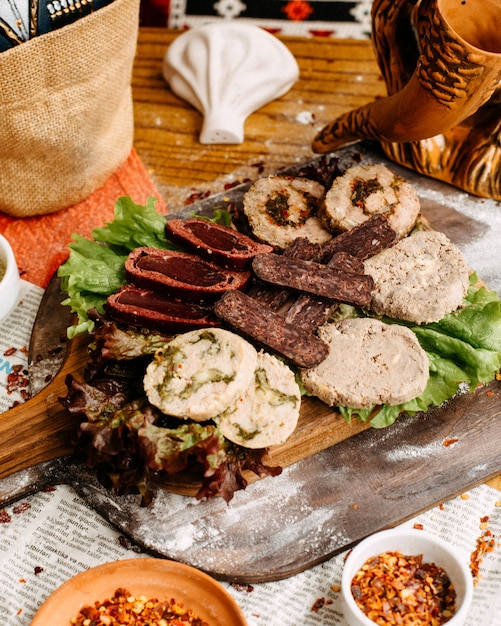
(48,537)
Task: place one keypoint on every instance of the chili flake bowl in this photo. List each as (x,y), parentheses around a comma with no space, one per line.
(151,577)
(409,542)
(9,279)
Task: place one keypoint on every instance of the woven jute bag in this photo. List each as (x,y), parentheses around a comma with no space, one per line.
(66,114)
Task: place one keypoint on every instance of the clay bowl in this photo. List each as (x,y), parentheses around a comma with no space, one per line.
(160,578)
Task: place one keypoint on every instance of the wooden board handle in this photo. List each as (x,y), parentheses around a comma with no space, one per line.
(41,429)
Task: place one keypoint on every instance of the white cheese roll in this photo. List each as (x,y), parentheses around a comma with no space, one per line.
(201,373)
(369,363)
(268,412)
(420,279)
(282,208)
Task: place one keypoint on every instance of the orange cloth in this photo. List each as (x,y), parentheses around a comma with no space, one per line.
(40,244)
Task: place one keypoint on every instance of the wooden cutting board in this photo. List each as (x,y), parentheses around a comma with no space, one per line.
(340,482)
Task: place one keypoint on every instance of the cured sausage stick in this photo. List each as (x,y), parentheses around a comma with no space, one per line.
(274,296)
(314,278)
(312,311)
(269,328)
(363,241)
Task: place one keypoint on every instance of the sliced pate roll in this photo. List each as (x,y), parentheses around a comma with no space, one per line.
(282,208)
(369,363)
(420,279)
(269,410)
(366,190)
(199,374)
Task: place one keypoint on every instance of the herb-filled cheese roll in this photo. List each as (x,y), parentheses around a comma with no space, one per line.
(200,373)
(268,412)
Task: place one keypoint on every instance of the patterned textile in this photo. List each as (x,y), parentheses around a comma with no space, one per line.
(306,18)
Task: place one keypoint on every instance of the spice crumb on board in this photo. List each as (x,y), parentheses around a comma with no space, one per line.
(123,608)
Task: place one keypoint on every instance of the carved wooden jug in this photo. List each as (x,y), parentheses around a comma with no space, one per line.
(441,61)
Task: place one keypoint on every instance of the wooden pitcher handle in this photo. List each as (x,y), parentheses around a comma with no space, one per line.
(41,429)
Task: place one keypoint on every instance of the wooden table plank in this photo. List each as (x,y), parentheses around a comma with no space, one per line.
(335,76)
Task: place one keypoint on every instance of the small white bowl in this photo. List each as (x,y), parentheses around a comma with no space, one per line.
(410,542)
(10,282)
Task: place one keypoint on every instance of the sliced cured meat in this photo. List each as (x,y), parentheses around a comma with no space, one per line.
(365,190)
(315,278)
(268,412)
(274,296)
(282,208)
(310,312)
(149,309)
(200,374)
(270,329)
(181,274)
(420,279)
(363,241)
(369,363)
(215,243)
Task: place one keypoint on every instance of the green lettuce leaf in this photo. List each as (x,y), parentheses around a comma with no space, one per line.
(95,268)
(464,348)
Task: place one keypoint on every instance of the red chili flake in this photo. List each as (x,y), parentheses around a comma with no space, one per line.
(22,580)
(21,508)
(17,379)
(486,542)
(243,587)
(49,488)
(5,518)
(392,585)
(196,196)
(318,604)
(449,442)
(123,609)
(259,167)
(235,183)
(418,526)
(9,351)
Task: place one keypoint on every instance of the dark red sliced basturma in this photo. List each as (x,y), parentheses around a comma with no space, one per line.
(181,274)
(216,243)
(147,308)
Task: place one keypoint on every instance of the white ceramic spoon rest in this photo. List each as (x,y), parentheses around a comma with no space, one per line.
(227,71)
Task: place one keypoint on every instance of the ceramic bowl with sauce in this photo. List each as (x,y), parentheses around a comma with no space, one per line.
(151,577)
(9,279)
(412,542)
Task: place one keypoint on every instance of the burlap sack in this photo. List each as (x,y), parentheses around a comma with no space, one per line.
(66,116)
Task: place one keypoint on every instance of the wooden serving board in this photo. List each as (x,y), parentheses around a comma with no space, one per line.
(340,482)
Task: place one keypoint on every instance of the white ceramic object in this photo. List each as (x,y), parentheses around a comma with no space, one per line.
(409,541)
(227,71)
(10,282)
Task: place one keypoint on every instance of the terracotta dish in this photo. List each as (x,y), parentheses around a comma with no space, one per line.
(150,577)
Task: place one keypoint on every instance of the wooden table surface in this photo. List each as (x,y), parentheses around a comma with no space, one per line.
(335,76)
